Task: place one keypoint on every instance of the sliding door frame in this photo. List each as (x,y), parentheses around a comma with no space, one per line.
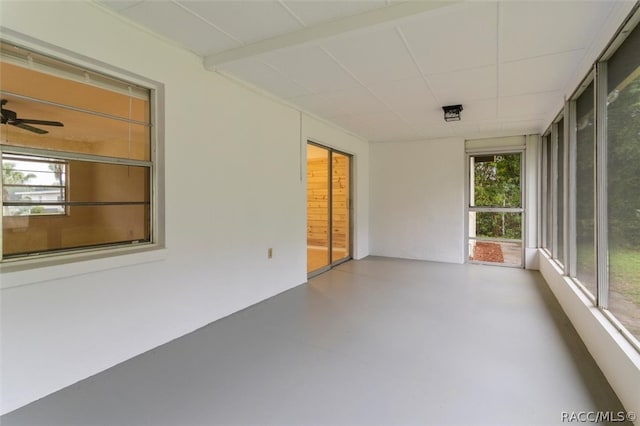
(349,256)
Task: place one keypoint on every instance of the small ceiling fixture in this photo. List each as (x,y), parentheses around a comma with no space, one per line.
(452,112)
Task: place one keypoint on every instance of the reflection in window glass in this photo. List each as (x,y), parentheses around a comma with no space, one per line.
(560,194)
(623,182)
(585,190)
(105,204)
(33,186)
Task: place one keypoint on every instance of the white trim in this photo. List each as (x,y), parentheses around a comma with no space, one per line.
(614,354)
(32,271)
(379,16)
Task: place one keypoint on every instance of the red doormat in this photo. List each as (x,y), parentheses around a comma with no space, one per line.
(488,252)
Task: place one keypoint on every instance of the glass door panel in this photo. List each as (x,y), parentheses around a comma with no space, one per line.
(317,207)
(495,209)
(340,165)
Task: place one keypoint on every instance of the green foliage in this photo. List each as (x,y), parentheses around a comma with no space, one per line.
(497,184)
(37,210)
(623,151)
(624,270)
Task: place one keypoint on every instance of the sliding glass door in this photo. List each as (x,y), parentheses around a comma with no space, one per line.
(495,209)
(328,207)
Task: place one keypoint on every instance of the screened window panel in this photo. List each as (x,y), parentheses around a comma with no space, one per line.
(85,226)
(496,181)
(623,182)
(560,173)
(585,191)
(497,225)
(82,132)
(549,195)
(105,204)
(72,87)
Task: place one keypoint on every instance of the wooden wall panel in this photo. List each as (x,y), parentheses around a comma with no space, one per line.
(318,202)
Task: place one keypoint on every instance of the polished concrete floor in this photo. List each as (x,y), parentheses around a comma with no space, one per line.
(372,342)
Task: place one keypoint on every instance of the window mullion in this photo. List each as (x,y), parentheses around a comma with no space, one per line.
(570,242)
(602,261)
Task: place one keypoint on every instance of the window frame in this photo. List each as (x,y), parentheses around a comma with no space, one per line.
(597,74)
(63,263)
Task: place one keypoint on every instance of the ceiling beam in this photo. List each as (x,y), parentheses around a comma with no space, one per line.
(329,29)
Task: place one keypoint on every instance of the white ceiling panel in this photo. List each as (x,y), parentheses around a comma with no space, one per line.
(354,101)
(312,68)
(173,22)
(119,5)
(316,104)
(259,74)
(479,111)
(460,86)
(454,39)
(421,117)
(406,94)
(541,74)
(534,28)
(385,75)
(379,127)
(522,127)
(355,53)
(248,21)
(316,12)
(534,106)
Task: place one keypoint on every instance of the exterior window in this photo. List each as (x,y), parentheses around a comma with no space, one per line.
(623,182)
(585,191)
(77,163)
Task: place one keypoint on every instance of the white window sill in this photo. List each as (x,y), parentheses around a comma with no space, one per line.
(30,271)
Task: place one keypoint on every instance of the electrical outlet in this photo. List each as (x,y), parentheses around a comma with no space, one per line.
(269,253)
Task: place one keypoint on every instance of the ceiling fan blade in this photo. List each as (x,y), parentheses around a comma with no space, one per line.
(40,122)
(30,128)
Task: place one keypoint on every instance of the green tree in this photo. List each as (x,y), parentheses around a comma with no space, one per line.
(623,157)
(497,184)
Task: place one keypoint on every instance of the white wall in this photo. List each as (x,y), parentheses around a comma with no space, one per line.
(417,200)
(240,148)
(617,359)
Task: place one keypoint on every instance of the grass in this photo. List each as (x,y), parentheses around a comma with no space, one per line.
(624,270)
(624,273)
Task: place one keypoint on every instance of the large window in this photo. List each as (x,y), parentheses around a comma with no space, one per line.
(623,182)
(591,180)
(76,156)
(585,190)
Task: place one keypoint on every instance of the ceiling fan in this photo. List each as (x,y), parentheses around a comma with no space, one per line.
(10,117)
